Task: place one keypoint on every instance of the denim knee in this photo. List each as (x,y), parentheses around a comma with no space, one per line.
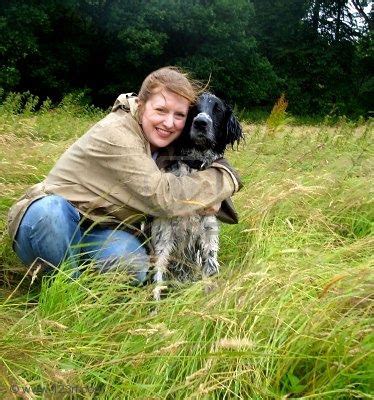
(47,229)
(57,210)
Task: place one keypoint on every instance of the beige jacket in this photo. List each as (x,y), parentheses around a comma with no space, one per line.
(110,177)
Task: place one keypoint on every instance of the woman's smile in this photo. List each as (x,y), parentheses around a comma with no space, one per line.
(163,133)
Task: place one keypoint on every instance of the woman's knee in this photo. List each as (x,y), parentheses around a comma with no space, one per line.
(55,210)
(52,215)
(48,228)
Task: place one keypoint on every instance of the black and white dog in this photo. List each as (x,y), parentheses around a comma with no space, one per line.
(187,247)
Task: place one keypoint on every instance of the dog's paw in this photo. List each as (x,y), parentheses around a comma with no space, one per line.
(211,267)
(157,291)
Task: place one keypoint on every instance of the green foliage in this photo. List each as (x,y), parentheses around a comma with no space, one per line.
(317,55)
(23,115)
(12,104)
(318,52)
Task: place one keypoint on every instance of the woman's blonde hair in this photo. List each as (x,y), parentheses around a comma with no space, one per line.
(172,79)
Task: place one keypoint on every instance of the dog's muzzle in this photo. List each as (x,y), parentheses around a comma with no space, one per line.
(201,128)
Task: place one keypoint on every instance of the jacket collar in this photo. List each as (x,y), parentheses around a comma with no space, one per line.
(127,102)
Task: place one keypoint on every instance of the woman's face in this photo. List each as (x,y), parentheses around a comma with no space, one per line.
(163,117)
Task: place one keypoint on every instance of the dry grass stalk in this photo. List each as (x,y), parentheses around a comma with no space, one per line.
(278,116)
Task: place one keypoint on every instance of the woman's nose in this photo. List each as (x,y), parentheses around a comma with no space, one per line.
(169,121)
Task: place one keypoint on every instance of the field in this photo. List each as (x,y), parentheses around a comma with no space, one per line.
(289,316)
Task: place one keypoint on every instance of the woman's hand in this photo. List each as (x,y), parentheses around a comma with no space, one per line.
(212,210)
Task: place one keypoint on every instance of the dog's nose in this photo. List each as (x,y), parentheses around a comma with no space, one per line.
(200,123)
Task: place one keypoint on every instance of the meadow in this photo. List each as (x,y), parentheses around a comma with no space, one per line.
(289,315)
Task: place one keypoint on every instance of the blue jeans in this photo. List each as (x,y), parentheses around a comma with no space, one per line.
(51,230)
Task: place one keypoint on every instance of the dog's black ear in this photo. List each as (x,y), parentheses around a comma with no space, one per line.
(184,139)
(190,116)
(234,131)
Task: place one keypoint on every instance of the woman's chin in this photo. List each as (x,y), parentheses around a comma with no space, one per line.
(159,143)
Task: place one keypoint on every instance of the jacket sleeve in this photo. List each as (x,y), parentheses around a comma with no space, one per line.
(134,180)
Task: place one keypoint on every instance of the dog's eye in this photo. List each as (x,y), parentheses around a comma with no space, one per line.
(217,108)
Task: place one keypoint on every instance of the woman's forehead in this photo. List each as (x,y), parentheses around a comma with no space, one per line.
(169,99)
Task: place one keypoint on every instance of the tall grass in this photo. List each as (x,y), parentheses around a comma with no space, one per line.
(289,316)
(69,119)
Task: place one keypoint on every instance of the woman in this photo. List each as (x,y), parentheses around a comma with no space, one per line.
(90,204)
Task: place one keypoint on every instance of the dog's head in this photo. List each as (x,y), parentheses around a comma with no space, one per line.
(211,124)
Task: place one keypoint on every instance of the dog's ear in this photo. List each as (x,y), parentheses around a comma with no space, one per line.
(184,139)
(234,131)
(190,116)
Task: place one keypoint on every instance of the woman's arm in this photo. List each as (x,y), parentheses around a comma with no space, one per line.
(133,178)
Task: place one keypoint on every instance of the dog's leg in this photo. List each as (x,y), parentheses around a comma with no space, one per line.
(163,246)
(209,246)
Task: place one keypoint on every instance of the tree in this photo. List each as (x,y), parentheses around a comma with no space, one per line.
(18,25)
(317,51)
(312,45)
(212,39)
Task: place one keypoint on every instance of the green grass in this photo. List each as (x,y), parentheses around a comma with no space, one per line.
(289,316)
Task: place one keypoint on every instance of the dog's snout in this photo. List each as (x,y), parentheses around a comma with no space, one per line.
(200,123)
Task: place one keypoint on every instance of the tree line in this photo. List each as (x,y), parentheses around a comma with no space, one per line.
(318,52)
